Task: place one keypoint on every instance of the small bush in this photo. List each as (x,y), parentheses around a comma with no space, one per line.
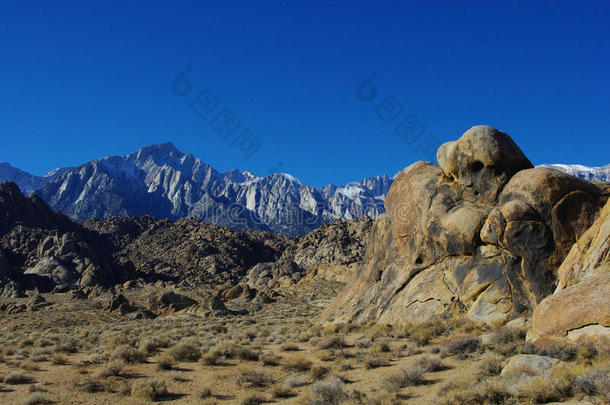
(382,346)
(331,342)
(282,391)
(205,393)
(300,364)
(328,392)
(543,390)
(253,379)
(129,354)
(149,390)
(406,377)
(165,362)
(15,378)
(35,399)
(213,359)
(245,354)
(491,365)
(290,347)
(430,364)
(371,362)
(319,372)
(462,345)
(184,352)
(59,359)
(253,399)
(90,386)
(269,359)
(297,381)
(111,370)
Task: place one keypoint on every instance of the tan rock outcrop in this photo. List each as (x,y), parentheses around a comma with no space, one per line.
(580,306)
(481,235)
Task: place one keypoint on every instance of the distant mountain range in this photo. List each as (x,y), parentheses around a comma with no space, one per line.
(163,182)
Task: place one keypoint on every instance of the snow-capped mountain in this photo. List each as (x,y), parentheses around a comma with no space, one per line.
(161,181)
(584,172)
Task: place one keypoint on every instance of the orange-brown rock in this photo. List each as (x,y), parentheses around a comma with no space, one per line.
(482,235)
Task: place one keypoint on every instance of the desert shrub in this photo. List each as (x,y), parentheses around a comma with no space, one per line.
(489,391)
(508,335)
(246,354)
(165,362)
(112,369)
(149,346)
(296,380)
(206,392)
(593,383)
(253,379)
(58,359)
(253,399)
(17,378)
(541,390)
(35,399)
(149,390)
(462,345)
(184,352)
(290,347)
(67,346)
(129,354)
(269,359)
(364,342)
(491,364)
(29,366)
(319,372)
(375,361)
(381,346)
(282,391)
(406,377)
(331,342)
(213,359)
(327,392)
(430,364)
(90,386)
(300,364)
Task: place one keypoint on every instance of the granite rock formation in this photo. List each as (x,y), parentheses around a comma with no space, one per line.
(482,236)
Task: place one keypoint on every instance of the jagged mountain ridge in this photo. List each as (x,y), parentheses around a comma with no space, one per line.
(161,181)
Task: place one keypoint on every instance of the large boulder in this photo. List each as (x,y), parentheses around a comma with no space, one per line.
(580,306)
(481,236)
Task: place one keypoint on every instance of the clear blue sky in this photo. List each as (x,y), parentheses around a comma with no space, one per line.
(79,81)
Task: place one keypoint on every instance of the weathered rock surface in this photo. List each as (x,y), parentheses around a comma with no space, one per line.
(42,249)
(340,244)
(529,364)
(481,235)
(580,306)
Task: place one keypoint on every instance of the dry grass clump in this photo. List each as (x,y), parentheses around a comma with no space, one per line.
(36,398)
(129,354)
(462,345)
(331,342)
(90,386)
(29,365)
(184,352)
(253,379)
(282,391)
(594,383)
(468,391)
(58,359)
(540,390)
(300,364)
(491,365)
(112,369)
(326,393)
(149,390)
(319,372)
(270,359)
(376,361)
(430,364)
(297,380)
(15,378)
(290,347)
(166,362)
(253,399)
(406,377)
(205,392)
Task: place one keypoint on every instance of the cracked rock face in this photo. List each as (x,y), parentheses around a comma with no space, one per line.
(580,306)
(481,235)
